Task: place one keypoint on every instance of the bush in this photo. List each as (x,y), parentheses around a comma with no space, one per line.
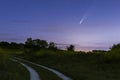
(114,53)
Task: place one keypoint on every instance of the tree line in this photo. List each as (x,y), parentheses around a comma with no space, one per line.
(33,44)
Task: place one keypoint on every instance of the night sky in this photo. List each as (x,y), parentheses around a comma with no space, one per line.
(88,24)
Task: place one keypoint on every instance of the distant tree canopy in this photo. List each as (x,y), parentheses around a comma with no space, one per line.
(115,51)
(4,44)
(29,42)
(33,45)
(115,47)
(52,46)
(11,45)
(99,51)
(36,43)
(71,48)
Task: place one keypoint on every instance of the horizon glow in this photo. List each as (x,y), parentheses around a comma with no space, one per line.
(57,21)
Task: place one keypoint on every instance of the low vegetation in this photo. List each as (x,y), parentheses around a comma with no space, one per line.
(43,73)
(10,70)
(95,65)
(81,66)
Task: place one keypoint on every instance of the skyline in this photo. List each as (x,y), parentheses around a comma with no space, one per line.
(89,24)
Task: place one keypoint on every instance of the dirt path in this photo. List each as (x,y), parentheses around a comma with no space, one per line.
(59,74)
(33,74)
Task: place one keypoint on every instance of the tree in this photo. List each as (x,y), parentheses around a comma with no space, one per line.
(44,44)
(52,46)
(4,44)
(114,52)
(115,47)
(29,42)
(71,48)
(14,45)
(40,43)
(35,44)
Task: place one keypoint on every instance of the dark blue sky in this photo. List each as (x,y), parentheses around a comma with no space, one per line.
(91,24)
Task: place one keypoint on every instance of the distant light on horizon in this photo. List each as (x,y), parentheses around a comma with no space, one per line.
(94,24)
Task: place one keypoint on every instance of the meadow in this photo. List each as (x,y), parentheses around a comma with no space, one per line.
(94,65)
(10,70)
(79,65)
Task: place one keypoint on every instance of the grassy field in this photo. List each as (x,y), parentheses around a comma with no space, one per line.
(77,65)
(80,66)
(10,70)
(43,73)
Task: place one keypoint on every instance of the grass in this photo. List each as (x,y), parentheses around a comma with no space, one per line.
(77,65)
(80,66)
(10,70)
(43,73)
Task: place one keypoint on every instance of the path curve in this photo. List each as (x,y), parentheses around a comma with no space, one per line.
(33,74)
(59,74)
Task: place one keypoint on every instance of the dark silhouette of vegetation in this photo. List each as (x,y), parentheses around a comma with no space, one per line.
(11,45)
(71,48)
(114,52)
(115,47)
(30,43)
(99,51)
(4,44)
(52,46)
(40,43)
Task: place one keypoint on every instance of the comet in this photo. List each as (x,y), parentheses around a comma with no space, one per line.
(83,19)
(87,12)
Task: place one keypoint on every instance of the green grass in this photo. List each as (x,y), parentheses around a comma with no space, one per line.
(10,70)
(43,73)
(80,66)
